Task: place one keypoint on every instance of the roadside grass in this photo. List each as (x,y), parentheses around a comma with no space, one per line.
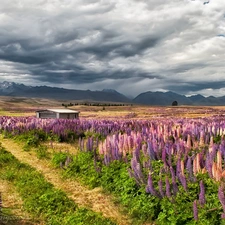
(41,198)
(93,198)
(12,211)
(114,179)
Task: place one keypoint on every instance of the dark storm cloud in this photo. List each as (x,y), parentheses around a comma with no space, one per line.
(133,46)
(185,67)
(131,49)
(193,88)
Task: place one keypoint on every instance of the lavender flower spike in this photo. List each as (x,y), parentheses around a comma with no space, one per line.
(221,197)
(195,210)
(160,184)
(202,200)
(168,193)
(150,188)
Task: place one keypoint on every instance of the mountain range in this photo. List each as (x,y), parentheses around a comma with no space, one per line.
(106,95)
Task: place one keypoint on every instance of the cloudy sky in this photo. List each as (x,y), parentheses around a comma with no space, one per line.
(132,46)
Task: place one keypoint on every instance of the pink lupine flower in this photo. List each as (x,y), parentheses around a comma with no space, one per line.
(182,167)
(195,166)
(219,160)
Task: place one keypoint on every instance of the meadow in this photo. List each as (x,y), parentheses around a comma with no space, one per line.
(115,165)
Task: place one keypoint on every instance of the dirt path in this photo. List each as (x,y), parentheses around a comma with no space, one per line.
(12,201)
(93,199)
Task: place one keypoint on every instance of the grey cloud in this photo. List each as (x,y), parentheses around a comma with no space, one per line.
(164,45)
(184,88)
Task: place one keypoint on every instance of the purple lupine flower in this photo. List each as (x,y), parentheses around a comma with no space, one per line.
(151,151)
(164,155)
(168,193)
(208,165)
(183,182)
(195,210)
(106,159)
(169,161)
(202,200)
(136,153)
(174,183)
(144,149)
(160,184)
(214,151)
(222,148)
(178,168)
(136,167)
(132,175)
(221,197)
(189,168)
(150,188)
(201,158)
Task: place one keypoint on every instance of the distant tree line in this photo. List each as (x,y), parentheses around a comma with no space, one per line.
(95,104)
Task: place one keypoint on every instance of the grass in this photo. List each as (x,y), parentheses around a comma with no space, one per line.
(94,199)
(13,211)
(41,198)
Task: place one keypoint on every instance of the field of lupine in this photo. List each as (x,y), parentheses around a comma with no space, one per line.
(163,170)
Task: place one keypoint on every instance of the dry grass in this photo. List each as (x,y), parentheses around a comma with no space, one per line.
(62,147)
(93,199)
(12,201)
(18,106)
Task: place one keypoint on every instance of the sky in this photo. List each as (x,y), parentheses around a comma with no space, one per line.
(132,46)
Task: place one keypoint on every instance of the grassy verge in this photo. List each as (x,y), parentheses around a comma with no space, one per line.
(114,179)
(12,211)
(143,207)
(41,198)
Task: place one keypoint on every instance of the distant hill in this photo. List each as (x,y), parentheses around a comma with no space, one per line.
(106,95)
(20,90)
(161,98)
(166,98)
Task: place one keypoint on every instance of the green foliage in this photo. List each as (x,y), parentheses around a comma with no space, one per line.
(69,136)
(179,209)
(4,156)
(8,218)
(32,138)
(41,198)
(217,139)
(143,207)
(114,179)
(9,174)
(83,166)
(42,152)
(58,157)
(94,135)
(84,216)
